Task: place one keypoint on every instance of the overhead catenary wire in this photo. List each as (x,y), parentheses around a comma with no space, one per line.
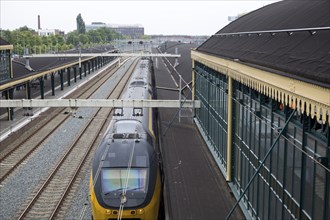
(129,166)
(180,91)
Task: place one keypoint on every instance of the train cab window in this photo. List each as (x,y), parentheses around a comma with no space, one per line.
(125,136)
(128,126)
(118,179)
(138,83)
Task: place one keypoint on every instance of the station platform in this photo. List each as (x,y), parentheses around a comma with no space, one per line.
(194,186)
(22,117)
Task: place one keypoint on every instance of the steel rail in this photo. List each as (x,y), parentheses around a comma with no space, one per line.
(50,177)
(61,162)
(58,205)
(20,161)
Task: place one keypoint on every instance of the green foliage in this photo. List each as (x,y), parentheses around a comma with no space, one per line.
(83,39)
(80,25)
(146,37)
(72,38)
(25,37)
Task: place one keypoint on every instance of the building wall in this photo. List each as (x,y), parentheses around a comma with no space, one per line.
(134,32)
(294,182)
(50,32)
(131,31)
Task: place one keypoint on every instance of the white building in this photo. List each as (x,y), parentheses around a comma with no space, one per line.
(132,30)
(49,32)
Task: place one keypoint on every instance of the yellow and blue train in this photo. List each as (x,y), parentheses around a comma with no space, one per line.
(126,180)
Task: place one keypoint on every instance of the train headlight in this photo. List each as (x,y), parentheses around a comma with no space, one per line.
(108,211)
(140,211)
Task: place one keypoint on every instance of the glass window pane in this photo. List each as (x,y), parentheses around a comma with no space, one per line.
(118,179)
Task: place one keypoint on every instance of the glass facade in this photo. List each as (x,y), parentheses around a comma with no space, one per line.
(5,65)
(210,89)
(294,182)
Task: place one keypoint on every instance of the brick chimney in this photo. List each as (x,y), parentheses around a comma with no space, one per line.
(39,26)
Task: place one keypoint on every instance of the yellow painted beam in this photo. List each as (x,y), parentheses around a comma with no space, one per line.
(35,76)
(286,90)
(6,47)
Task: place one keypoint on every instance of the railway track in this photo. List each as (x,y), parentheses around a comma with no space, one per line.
(18,151)
(48,199)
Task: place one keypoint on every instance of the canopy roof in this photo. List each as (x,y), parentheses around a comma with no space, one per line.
(289,38)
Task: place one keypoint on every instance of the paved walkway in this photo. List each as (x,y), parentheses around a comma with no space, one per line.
(195,187)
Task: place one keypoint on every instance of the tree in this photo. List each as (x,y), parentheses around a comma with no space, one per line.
(72,38)
(94,36)
(26,38)
(44,40)
(6,35)
(80,25)
(83,38)
(60,39)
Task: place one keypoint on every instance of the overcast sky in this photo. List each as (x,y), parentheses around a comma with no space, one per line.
(157,17)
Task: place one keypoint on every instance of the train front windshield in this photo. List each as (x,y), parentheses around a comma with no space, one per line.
(119,179)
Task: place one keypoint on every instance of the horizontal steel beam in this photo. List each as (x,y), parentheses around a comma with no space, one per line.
(103,55)
(312,30)
(118,103)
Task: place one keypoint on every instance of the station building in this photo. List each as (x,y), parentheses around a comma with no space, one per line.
(264,85)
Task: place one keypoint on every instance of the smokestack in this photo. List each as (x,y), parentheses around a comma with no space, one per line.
(39,27)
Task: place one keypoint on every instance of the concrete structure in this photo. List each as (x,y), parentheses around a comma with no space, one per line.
(133,31)
(264,85)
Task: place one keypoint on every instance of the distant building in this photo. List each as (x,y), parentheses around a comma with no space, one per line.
(49,32)
(233,18)
(95,25)
(133,31)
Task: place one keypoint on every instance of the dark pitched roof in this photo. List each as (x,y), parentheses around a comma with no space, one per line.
(3,42)
(40,64)
(300,54)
